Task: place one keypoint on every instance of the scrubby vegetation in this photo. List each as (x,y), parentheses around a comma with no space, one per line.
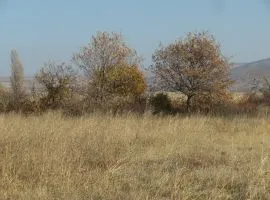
(113,81)
(107,76)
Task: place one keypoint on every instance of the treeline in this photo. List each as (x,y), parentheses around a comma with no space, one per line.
(107,76)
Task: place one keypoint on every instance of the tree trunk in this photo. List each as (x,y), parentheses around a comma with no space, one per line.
(189,103)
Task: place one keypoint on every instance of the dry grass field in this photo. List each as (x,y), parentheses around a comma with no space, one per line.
(134,157)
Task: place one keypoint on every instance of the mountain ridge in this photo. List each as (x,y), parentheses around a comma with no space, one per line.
(241,73)
(244,73)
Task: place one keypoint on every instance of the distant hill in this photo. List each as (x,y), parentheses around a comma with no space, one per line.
(28,81)
(235,65)
(243,73)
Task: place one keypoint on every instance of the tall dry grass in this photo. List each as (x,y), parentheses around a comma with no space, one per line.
(131,157)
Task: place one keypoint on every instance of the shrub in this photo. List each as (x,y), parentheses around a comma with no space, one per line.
(31,106)
(123,87)
(127,104)
(160,103)
(57,82)
(75,107)
(210,103)
(4,98)
(125,80)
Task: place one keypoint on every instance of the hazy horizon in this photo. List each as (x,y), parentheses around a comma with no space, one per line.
(54,30)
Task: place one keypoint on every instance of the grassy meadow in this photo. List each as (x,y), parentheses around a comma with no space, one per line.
(134,157)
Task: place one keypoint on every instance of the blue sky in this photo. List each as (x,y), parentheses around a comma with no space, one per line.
(43,30)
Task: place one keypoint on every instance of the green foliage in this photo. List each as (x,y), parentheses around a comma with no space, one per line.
(160,103)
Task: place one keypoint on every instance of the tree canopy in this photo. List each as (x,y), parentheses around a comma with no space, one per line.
(193,66)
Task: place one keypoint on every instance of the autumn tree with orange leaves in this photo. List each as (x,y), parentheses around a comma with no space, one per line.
(126,81)
(193,66)
(110,67)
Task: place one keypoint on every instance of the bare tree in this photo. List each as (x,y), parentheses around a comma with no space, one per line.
(193,66)
(58,82)
(260,84)
(17,78)
(104,52)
